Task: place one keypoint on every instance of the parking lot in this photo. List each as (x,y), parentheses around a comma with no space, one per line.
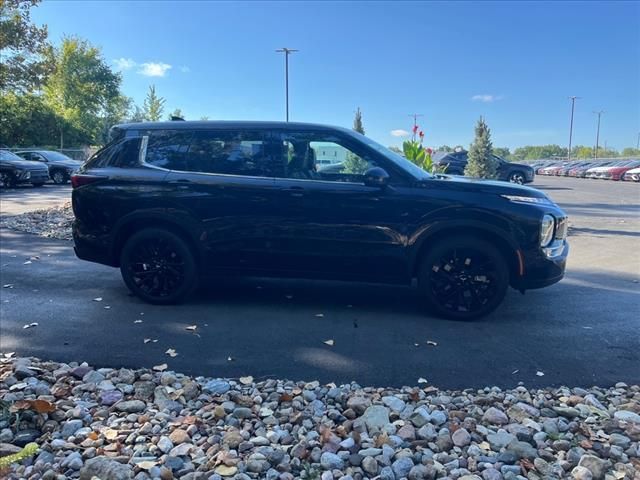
(582,331)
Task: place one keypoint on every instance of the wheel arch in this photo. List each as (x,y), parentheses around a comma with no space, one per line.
(507,246)
(131,224)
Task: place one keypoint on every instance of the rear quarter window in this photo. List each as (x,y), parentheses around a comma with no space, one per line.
(122,154)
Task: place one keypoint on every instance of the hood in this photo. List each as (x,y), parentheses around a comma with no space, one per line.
(24,164)
(488,186)
(67,163)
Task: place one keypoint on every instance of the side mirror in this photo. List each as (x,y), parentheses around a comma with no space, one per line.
(376,177)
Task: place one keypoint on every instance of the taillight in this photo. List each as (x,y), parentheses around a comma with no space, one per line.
(78,180)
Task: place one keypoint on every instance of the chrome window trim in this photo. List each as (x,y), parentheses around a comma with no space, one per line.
(142,156)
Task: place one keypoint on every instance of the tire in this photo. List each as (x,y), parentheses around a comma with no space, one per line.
(59,177)
(8,180)
(175,275)
(38,184)
(517,177)
(457,289)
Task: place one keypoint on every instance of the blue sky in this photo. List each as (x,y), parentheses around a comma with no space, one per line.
(513,62)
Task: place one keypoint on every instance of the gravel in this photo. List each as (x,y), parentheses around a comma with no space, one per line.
(165,425)
(54,222)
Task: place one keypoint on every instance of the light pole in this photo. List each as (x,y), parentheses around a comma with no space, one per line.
(573,104)
(287,52)
(598,134)
(638,142)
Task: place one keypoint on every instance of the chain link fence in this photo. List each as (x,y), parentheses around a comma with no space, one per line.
(80,153)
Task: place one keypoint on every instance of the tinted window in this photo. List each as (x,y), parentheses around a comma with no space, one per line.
(119,154)
(167,149)
(322,156)
(228,152)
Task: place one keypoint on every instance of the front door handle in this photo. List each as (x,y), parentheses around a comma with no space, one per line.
(295,191)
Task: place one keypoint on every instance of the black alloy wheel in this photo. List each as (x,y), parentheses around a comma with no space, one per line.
(464,278)
(517,177)
(158,266)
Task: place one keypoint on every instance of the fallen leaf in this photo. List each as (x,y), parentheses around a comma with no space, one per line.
(146,340)
(147,464)
(160,368)
(485,446)
(171,352)
(28,262)
(97,299)
(107,307)
(40,406)
(8,285)
(286,397)
(539,373)
(229,359)
(110,434)
(514,372)
(329,342)
(191,328)
(416,344)
(248,380)
(30,325)
(422,380)
(93,436)
(432,343)
(137,321)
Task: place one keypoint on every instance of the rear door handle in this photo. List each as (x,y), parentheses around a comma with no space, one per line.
(295,191)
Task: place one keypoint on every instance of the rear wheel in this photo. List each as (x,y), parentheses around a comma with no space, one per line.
(158,266)
(464,278)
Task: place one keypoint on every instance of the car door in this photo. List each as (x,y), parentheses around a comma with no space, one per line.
(329,222)
(223,178)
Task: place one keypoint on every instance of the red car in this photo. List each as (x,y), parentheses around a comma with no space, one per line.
(616,172)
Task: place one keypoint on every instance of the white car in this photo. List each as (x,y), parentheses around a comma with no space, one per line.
(599,172)
(632,175)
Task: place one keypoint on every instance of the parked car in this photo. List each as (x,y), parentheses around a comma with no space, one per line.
(632,175)
(60,166)
(15,170)
(616,172)
(581,172)
(563,171)
(599,171)
(454,163)
(172,202)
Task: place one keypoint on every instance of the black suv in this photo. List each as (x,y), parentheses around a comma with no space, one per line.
(60,166)
(16,170)
(171,202)
(454,163)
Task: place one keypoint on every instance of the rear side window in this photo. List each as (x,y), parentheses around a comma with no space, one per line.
(167,149)
(228,152)
(123,154)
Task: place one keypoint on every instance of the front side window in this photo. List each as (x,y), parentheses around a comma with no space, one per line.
(228,153)
(322,156)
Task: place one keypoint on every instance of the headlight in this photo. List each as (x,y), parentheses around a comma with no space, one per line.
(546,230)
(26,175)
(517,198)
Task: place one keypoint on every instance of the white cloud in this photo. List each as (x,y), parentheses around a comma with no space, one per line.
(399,133)
(124,63)
(486,98)
(154,69)
(185,69)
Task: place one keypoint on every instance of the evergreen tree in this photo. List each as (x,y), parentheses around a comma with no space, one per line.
(153,105)
(357,122)
(481,163)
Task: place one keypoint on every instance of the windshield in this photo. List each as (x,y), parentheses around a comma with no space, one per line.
(7,155)
(51,155)
(397,159)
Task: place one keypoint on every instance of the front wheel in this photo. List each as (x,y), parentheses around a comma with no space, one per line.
(158,266)
(464,278)
(7,180)
(517,177)
(59,177)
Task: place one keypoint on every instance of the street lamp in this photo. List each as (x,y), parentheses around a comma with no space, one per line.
(287,52)
(598,134)
(573,104)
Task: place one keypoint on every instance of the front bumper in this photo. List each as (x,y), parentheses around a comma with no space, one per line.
(544,267)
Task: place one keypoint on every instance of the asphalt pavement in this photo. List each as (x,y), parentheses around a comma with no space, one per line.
(582,331)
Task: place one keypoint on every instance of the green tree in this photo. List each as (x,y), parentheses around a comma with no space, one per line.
(502,152)
(23,47)
(357,122)
(82,89)
(481,163)
(26,121)
(153,105)
(536,152)
(136,115)
(631,152)
(444,148)
(176,113)
(204,117)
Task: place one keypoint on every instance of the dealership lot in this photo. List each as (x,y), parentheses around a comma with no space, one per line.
(278,328)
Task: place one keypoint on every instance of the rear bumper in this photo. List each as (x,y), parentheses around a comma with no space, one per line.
(541,270)
(90,247)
